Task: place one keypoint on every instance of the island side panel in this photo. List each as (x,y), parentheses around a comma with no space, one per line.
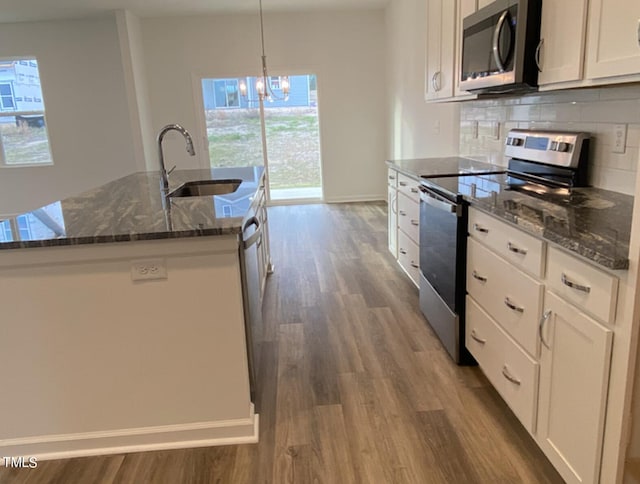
(87,351)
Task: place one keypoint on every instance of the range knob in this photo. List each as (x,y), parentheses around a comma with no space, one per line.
(564,147)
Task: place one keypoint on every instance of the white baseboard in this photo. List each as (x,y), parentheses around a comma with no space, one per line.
(357,198)
(201,434)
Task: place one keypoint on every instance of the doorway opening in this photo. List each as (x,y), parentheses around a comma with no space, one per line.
(292,133)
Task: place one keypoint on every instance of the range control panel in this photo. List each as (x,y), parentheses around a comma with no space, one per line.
(560,148)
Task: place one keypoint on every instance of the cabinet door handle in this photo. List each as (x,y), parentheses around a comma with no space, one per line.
(516,249)
(509,376)
(403,184)
(578,287)
(415,222)
(480,228)
(414,190)
(512,306)
(414,265)
(474,336)
(403,213)
(435,81)
(478,277)
(391,177)
(394,204)
(402,251)
(638,32)
(538,55)
(543,320)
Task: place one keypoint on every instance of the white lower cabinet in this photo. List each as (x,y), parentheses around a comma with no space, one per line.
(512,372)
(574,375)
(543,339)
(403,198)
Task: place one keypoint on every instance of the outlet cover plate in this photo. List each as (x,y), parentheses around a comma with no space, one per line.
(148,270)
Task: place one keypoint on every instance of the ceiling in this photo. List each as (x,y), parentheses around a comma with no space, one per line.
(32,10)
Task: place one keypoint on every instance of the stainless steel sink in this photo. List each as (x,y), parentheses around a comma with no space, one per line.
(205,188)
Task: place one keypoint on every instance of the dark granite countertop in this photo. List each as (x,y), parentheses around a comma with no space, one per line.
(443,166)
(132,208)
(590,222)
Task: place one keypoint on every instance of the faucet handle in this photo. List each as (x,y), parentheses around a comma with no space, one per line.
(171,170)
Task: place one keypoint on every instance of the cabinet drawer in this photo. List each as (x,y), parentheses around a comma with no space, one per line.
(509,369)
(392,177)
(519,248)
(409,216)
(409,186)
(409,256)
(582,284)
(515,302)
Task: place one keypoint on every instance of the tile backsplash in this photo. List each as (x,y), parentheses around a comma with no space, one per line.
(485,123)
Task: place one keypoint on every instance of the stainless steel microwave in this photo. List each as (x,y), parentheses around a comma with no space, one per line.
(499,44)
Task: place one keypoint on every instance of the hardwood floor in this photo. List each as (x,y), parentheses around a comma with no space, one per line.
(354,386)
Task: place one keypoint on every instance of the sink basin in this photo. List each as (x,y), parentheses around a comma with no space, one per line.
(206,188)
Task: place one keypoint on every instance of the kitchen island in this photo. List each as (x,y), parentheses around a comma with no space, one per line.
(123,323)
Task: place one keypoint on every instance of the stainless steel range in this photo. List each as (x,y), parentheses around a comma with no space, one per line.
(542,164)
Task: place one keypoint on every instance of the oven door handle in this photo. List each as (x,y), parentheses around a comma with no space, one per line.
(437,202)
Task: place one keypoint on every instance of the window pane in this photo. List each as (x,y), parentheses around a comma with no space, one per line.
(25,140)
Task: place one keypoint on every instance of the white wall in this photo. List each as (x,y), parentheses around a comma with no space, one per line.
(345,49)
(86,110)
(415,129)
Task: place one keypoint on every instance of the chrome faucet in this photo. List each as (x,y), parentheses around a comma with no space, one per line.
(164,174)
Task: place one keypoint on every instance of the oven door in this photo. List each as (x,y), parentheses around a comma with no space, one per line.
(439,247)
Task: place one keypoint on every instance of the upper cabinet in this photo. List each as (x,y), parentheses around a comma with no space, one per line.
(613,45)
(589,43)
(562,38)
(440,49)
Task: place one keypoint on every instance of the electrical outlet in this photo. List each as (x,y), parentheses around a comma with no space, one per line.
(496,130)
(149,269)
(619,138)
(436,126)
(474,130)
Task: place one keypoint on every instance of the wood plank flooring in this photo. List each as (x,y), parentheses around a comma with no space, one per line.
(353,385)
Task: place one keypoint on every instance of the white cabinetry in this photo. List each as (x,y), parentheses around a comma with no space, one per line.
(574,366)
(561,50)
(404,222)
(541,337)
(392,202)
(613,46)
(440,49)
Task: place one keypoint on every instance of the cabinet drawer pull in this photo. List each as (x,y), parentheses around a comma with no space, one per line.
(415,222)
(391,177)
(403,213)
(475,337)
(414,265)
(512,306)
(478,277)
(402,251)
(403,184)
(516,249)
(543,320)
(414,190)
(579,287)
(481,229)
(509,376)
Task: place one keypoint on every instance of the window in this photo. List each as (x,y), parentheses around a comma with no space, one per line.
(6,97)
(226,93)
(23,132)
(275,82)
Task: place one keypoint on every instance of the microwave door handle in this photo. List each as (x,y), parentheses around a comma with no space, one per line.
(496,40)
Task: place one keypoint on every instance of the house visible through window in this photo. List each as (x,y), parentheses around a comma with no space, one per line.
(275,82)
(23,131)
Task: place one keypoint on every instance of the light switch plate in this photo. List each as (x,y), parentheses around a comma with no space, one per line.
(619,138)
